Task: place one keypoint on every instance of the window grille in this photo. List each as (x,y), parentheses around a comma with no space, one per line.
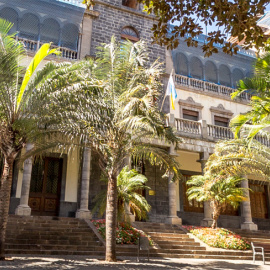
(29,27)
(10,15)
(50,31)
(70,35)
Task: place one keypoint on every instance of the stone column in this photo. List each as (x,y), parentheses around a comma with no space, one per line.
(246,210)
(89,16)
(172,218)
(23,208)
(207,220)
(84,211)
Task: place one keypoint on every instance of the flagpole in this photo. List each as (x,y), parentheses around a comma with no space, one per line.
(165,95)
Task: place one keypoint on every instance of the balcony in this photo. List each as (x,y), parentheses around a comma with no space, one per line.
(200,85)
(202,130)
(77,3)
(33,46)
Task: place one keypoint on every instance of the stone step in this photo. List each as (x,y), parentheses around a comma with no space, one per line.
(180,246)
(54,252)
(53,242)
(174,238)
(164,231)
(169,235)
(175,243)
(54,247)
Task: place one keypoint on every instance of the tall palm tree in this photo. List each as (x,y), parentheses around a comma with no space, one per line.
(28,111)
(131,125)
(257,119)
(129,184)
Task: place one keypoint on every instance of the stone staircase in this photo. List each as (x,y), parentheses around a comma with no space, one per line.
(259,238)
(70,236)
(173,242)
(51,236)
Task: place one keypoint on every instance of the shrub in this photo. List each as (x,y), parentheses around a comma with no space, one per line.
(125,233)
(219,237)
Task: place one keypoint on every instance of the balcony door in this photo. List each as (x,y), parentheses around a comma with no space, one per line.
(45,187)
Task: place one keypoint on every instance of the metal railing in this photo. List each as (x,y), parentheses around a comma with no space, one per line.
(33,45)
(201,85)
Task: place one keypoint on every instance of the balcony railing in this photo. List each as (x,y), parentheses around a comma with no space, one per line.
(219,132)
(201,85)
(210,132)
(33,46)
(77,3)
(188,126)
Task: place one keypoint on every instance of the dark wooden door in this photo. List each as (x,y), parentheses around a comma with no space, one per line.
(258,201)
(45,187)
(191,205)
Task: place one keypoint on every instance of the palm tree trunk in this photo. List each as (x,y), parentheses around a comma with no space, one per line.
(216,214)
(5,189)
(111,219)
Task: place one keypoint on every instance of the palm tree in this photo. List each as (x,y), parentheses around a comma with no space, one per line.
(28,110)
(131,123)
(220,191)
(129,184)
(230,160)
(257,120)
(15,120)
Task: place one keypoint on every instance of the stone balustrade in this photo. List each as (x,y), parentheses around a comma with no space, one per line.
(77,3)
(210,87)
(203,130)
(188,126)
(33,46)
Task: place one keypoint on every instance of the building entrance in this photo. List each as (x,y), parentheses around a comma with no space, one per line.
(45,187)
(258,201)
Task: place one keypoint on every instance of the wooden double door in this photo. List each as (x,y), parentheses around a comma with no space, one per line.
(258,201)
(45,186)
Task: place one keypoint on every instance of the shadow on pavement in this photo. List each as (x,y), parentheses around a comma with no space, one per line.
(83,263)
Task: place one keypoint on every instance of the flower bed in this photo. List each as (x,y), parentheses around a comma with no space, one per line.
(220,238)
(125,233)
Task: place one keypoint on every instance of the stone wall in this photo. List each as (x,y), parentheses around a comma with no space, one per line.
(113,17)
(160,200)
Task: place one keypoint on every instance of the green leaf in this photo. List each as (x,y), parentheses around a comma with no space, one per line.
(43,52)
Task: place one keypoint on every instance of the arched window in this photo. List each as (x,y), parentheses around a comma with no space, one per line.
(29,27)
(237,76)
(50,31)
(225,76)
(10,15)
(211,72)
(181,64)
(130,3)
(130,33)
(196,68)
(70,35)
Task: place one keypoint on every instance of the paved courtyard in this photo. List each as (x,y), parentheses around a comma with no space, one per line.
(84,263)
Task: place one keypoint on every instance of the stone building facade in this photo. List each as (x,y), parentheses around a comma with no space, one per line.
(202,112)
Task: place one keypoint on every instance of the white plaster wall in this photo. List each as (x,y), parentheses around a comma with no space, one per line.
(207,101)
(177,196)
(72,177)
(19,183)
(188,161)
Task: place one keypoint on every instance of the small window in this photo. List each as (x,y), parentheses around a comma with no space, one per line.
(190,115)
(130,3)
(221,121)
(130,33)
